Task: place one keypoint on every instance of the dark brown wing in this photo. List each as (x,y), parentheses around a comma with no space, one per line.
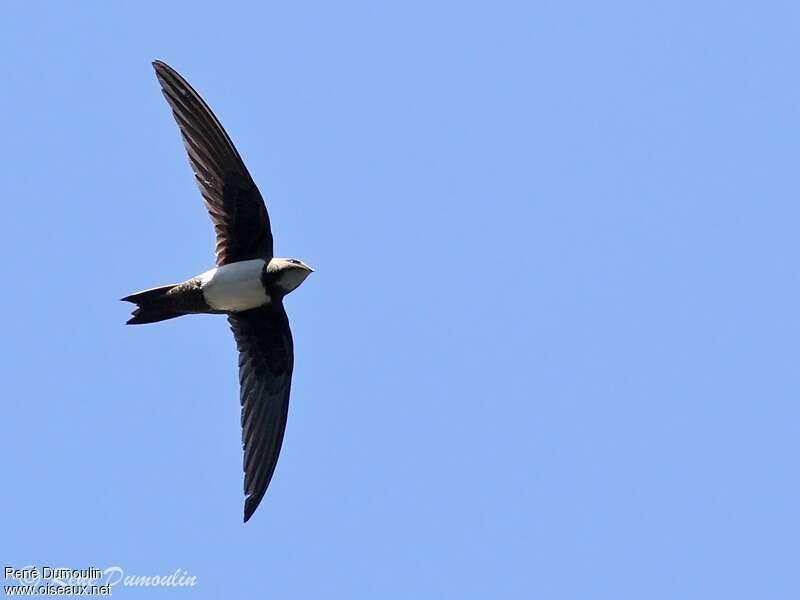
(266,358)
(241,222)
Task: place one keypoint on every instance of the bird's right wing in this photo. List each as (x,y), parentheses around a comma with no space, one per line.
(266,359)
(241,222)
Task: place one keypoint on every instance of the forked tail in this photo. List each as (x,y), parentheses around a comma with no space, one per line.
(153,305)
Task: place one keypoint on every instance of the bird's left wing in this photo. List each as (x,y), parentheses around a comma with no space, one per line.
(266,358)
(240,218)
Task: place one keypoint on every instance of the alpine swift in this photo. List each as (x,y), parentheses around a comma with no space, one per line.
(247,284)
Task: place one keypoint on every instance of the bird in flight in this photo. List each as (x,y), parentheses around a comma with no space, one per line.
(247,284)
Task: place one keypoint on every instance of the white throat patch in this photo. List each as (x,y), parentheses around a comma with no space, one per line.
(234,287)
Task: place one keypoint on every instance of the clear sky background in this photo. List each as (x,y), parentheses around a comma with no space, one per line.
(551,347)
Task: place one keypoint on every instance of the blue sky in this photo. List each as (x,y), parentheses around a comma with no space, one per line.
(551,346)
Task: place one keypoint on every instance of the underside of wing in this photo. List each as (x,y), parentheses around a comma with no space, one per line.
(240,218)
(266,359)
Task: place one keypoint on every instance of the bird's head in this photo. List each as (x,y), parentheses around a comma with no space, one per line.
(286,274)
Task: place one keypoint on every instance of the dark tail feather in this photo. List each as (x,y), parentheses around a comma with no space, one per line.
(151,306)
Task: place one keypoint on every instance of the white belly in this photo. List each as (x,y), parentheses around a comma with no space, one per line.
(235,287)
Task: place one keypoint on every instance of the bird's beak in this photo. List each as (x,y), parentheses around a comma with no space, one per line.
(310,270)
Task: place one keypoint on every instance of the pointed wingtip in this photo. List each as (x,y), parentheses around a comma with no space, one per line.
(161,68)
(250,505)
